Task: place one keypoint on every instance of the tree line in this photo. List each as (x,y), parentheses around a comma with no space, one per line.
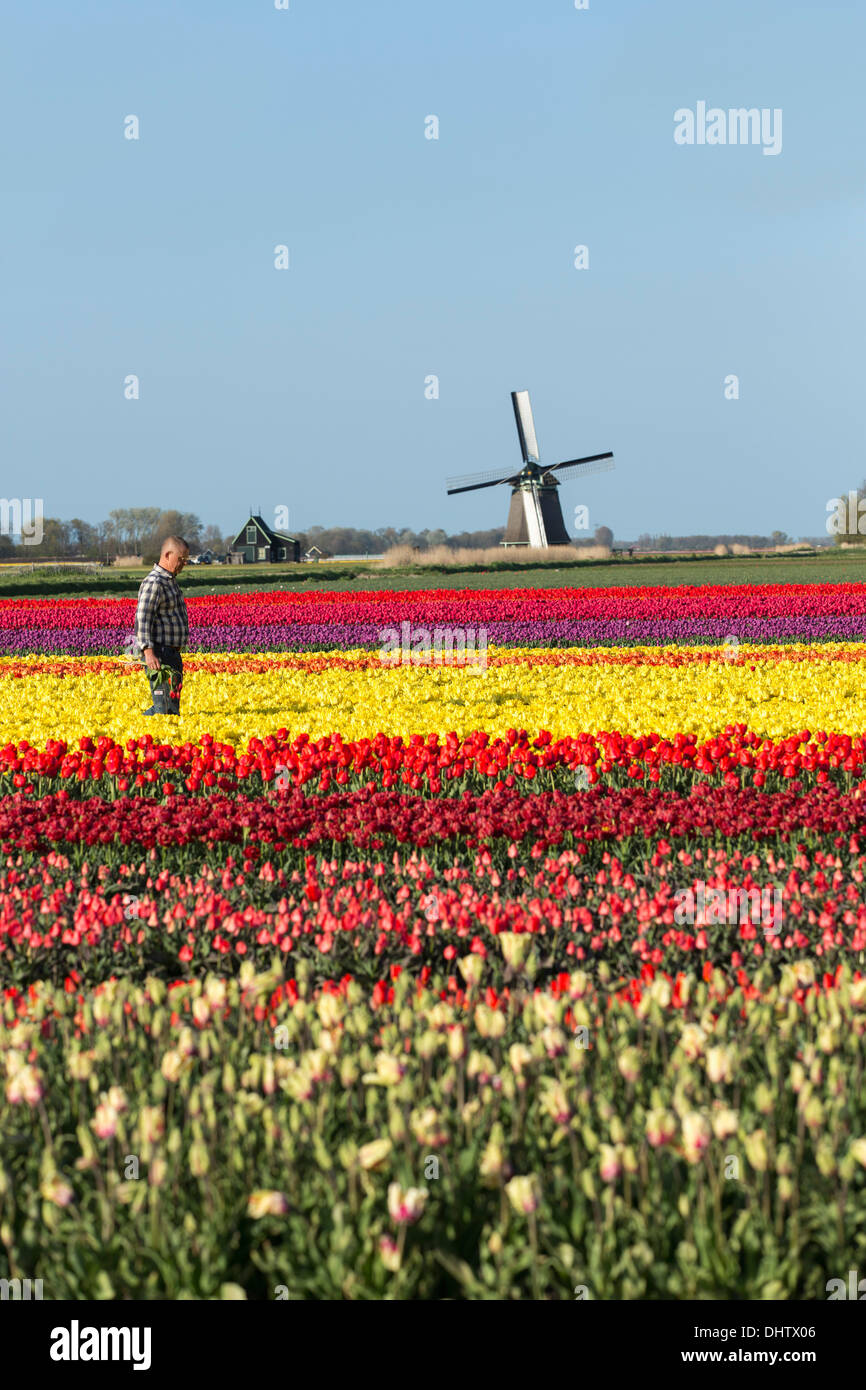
(665,542)
(126,531)
(131,531)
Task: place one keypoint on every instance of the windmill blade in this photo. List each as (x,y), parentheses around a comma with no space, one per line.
(593,463)
(473,487)
(467,481)
(525,426)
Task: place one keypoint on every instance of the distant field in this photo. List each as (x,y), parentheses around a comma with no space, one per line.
(827,567)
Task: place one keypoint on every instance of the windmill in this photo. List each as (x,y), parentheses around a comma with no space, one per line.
(535,516)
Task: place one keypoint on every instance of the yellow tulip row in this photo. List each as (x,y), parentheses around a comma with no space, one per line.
(774,698)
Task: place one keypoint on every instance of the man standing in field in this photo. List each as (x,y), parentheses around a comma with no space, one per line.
(162,625)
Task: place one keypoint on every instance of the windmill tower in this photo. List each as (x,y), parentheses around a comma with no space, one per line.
(535,514)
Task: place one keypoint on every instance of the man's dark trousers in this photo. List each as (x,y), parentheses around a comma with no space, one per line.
(163,703)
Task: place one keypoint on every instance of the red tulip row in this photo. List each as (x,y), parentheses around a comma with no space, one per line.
(372,819)
(390,607)
(432,764)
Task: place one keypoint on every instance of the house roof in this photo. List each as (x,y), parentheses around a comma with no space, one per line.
(260,524)
(269,534)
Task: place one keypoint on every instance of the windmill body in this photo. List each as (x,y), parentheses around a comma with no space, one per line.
(535,514)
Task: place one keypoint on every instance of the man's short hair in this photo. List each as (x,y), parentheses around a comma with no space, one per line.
(174,543)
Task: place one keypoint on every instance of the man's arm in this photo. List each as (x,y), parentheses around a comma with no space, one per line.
(148,602)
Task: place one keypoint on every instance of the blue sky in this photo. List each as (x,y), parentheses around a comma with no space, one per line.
(412,257)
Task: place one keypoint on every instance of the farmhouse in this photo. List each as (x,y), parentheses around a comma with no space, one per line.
(257,541)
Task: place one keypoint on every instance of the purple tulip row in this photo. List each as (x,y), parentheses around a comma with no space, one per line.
(293,636)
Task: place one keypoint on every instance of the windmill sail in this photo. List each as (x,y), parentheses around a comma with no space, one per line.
(469,482)
(593,463)
(525,426)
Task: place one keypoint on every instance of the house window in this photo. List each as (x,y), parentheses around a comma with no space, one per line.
(263,552)
(282,552)
(251,535)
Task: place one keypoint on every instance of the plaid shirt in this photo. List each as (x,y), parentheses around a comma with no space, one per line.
(161,615)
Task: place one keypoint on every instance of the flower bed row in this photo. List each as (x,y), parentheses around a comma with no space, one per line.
(314,663)
(426,763)
(725,907)
(239,1138)
(518,617)
(383,819)
(773,699)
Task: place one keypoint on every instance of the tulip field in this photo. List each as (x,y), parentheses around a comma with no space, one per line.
(437,978)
